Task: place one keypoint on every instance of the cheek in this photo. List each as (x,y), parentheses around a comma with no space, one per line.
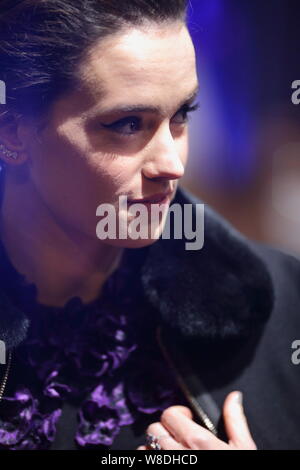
(63,176)
(98,174)
(74,181)
(60,169)
(183,149)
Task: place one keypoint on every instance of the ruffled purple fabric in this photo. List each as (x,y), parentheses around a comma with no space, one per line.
(101,356)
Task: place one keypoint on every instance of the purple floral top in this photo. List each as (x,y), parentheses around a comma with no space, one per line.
(100,356)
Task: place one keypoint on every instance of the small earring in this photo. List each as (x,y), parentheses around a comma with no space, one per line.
(8,153)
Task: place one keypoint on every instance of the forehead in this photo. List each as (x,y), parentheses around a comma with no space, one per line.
(141,63)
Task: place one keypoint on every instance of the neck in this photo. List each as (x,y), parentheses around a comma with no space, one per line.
(61,263)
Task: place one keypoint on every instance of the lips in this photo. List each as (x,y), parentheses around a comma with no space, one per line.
(155,199)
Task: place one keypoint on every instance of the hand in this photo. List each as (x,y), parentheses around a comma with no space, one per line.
(177,430)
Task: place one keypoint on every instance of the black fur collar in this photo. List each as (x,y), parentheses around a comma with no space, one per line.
(220,292)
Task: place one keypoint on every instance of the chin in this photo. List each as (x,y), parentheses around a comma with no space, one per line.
(129,243)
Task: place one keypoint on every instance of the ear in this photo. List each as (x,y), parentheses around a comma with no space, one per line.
(13,138)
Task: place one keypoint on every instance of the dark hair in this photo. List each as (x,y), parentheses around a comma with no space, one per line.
(42,42)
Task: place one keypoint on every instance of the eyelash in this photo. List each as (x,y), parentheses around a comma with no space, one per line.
(117,125)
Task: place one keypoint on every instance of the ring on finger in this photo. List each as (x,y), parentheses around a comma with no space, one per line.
(153,441)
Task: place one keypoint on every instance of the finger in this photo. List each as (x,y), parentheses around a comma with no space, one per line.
(165,439)
(188,433)
(236,423)
(184,410)
(142,448)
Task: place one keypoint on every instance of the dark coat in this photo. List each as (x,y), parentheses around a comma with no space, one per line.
(229,315)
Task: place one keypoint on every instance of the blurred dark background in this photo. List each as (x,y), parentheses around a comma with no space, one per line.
(245,138)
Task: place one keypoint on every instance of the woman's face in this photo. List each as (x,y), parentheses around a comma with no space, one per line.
(94,148)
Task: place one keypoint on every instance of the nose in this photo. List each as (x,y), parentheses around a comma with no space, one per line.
(164,156)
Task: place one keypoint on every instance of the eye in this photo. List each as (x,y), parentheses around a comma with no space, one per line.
(127,126)
(181,117)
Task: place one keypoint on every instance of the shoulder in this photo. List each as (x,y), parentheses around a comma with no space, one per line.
(283,267)
(284,270)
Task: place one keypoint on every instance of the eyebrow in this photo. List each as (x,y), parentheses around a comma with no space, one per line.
(149,109)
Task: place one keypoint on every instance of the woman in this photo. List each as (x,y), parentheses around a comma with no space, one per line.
(109,339)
